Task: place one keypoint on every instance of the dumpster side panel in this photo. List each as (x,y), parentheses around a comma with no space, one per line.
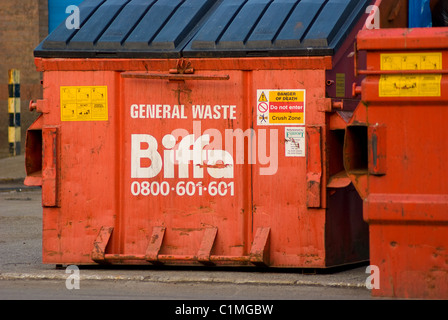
(424,137)
(185,195)
(408,244)
(185,170)
(408,227)
(403,116)
(84,149)
(280,199)
(400,243)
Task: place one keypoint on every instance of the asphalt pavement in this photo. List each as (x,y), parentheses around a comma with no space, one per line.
(20,251)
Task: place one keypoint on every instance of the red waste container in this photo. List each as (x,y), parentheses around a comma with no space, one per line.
(199,132)
(399,166)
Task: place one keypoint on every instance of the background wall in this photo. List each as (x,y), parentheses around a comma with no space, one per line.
(23,25)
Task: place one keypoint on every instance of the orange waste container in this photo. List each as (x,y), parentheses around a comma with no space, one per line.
(399,166)
(198,132)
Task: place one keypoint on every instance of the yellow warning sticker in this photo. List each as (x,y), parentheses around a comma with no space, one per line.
(411,61)
(411,85)
(263,97)
(84,103)
(286,96)
(340,85)
(285,117)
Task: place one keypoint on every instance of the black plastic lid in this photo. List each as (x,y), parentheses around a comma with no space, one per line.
(204,28)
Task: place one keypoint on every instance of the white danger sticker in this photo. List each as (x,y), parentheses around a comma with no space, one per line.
(295,142)
(280,107)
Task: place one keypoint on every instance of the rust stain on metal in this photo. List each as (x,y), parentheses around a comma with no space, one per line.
(100,244)
(259,254)
(152,251)
(214,166)
(183,66)
(314,166)
(154,238)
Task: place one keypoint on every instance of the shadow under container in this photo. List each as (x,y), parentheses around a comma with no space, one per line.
(170,136)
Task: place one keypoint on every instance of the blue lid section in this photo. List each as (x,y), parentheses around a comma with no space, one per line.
(276,28)
(419,14)
(205,28)
(57,12)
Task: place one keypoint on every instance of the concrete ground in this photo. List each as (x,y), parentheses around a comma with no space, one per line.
(12,169)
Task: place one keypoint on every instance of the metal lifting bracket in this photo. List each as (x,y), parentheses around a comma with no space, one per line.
(259,254)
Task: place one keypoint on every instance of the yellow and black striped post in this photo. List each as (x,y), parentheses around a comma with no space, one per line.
(14,130)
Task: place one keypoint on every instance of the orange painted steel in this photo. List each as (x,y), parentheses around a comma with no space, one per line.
(271,209)
(399,167)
